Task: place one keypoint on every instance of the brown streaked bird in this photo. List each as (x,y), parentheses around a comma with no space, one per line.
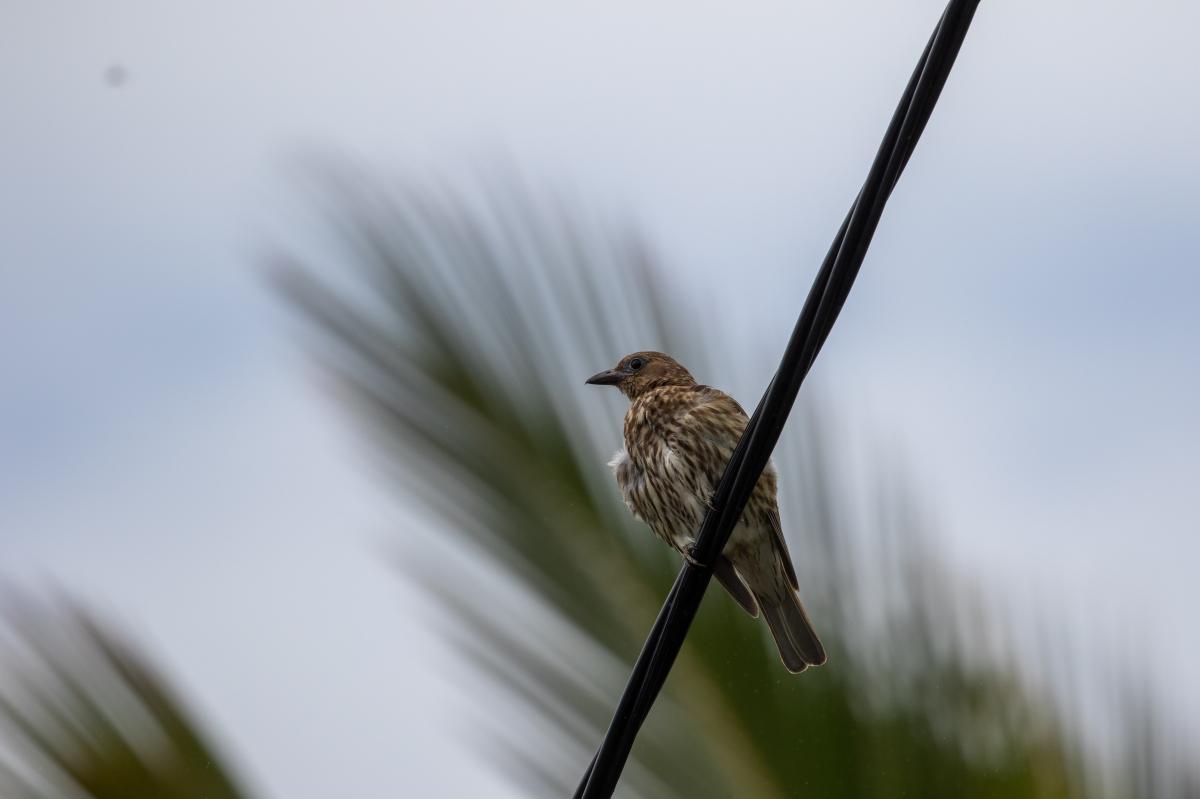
(678,437)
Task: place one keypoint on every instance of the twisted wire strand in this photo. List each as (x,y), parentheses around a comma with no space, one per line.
(821,308)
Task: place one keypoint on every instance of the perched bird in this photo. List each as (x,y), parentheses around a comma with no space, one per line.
(678,437)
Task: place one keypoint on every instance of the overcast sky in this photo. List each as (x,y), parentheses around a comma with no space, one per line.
(1024,331)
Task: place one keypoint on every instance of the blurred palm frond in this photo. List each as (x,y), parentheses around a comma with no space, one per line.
(462,338)
(86,715)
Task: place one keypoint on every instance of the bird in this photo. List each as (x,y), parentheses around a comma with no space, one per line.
(679,435)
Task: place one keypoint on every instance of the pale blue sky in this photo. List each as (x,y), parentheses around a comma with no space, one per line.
(1024,331)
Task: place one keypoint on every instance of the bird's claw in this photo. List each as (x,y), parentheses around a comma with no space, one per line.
(689,554)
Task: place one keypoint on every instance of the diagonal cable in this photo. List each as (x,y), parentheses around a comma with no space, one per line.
(820,311)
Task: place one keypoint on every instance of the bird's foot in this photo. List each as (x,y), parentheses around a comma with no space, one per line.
(689,554)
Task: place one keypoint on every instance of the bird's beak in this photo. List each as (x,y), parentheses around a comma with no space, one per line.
(609,377)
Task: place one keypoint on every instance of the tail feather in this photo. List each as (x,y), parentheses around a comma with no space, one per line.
(798,644)
(763,563)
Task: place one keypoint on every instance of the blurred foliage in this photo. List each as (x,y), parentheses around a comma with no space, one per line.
(463,339)
(86,715)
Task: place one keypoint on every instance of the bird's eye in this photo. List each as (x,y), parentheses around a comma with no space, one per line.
(636,363)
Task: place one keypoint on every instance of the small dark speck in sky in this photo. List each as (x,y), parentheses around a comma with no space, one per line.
(115,76)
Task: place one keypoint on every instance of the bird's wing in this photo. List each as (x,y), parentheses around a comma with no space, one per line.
(707,434)
(709,429)
(781,549)
(732,582)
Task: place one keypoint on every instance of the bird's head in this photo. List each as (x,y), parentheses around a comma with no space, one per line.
(643,371)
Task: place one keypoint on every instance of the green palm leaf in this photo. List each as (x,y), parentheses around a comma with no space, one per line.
(484,309)
(461,339)
(87,715)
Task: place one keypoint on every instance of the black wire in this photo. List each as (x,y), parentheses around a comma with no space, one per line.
(820,311)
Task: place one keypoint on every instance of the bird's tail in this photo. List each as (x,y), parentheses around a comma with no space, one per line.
(798,644)
(771,578)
